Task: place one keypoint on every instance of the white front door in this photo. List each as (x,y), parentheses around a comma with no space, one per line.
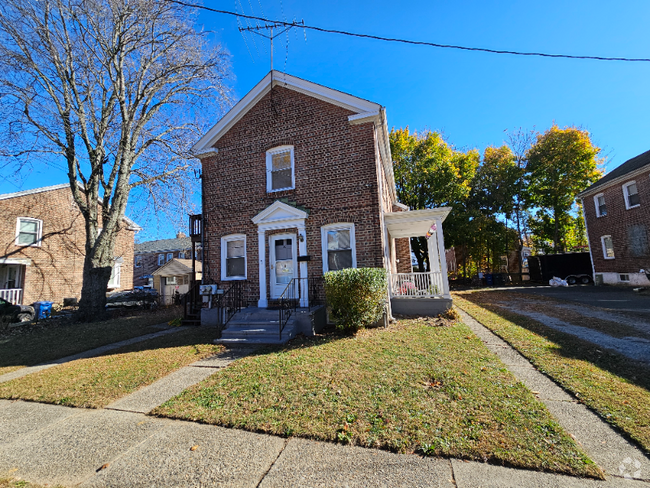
(282,262)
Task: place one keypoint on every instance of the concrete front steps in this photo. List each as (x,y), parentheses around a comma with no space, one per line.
(258,326)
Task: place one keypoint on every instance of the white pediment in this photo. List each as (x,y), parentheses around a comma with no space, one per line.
(279,212)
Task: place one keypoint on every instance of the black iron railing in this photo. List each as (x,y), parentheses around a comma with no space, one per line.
(229,302)
(191,303)
(288,303)
(297,292)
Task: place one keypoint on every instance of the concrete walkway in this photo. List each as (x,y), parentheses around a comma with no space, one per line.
(19,373)
(121,446)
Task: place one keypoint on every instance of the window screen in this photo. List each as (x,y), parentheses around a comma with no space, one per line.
(235,258)
(339,251)
(281,170)
(632,195)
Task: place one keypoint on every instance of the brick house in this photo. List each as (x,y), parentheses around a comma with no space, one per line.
(42,248)
(151,255)
(617,213)
(298,181)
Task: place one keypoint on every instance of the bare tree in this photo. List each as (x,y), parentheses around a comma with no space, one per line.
(115,89)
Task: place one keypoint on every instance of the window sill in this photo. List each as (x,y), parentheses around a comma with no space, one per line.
(234,278)
(289,188)
(609,258)
(633,206)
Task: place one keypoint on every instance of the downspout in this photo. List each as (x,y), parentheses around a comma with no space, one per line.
(382,223)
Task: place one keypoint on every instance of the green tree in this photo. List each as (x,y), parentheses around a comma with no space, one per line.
(430,173)
(561,163)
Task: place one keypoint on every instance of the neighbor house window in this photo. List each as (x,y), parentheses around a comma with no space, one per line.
(138,262)
(233,257)
(28,231)
(625,278)
(601,208)
(161,259)
(631,195)
(608,247)
(181,255)
(280,169)
(170,256)
(170,280)
(338,245)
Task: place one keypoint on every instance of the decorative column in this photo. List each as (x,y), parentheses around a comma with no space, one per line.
(443,259)
(262,302)
(302,251)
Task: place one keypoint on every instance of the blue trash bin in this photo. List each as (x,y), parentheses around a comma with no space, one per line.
(43,310)
(489,279)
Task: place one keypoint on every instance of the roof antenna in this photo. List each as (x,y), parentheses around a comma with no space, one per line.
(271,27)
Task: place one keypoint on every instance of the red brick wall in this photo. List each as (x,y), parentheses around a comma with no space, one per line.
(403,254)
(56,271)
(335,179)
(617,223)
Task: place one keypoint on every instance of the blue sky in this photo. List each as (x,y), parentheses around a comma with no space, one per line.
(473,98)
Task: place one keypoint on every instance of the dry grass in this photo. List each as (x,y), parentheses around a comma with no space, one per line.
(97,382)
(416,387)
(47,341)
(615,387)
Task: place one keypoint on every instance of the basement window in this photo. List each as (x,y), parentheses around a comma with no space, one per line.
(280,169)
(624,278)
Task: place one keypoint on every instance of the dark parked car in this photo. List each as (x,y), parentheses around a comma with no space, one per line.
(15,313)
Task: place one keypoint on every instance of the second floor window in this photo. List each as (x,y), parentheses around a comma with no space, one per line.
(161,259)
(28,232)
(631,195)
(280,169)
(601,208)
(170,256)
(138,261)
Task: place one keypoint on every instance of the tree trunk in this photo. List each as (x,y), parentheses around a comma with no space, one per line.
(92,305)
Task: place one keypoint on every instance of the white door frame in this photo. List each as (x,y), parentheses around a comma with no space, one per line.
(277,289)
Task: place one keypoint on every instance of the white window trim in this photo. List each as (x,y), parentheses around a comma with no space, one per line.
(170,256)
(620,277)
(598,214)
(115,283)
(602,243)
(323,239)
(269,168)
(39,234)
(161,259)
(625,195)
(137,261)
(224,241)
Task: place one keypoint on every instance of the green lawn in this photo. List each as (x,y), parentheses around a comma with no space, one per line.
(35,345)
(97,382)
(410,388)
(616,388)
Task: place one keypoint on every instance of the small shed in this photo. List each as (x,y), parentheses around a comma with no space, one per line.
(175,276)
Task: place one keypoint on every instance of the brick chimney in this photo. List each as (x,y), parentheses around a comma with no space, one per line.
(180,234)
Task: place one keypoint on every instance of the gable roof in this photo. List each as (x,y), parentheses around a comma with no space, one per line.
(274,78)
(178,267)
(629,167)
(164,245)
(365,111)
(130,223)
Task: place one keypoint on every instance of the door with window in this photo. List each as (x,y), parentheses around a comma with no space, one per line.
(283,266)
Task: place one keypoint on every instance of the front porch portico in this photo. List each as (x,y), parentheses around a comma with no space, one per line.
(419,293)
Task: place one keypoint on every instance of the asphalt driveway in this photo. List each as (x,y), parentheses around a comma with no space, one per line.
(608,297)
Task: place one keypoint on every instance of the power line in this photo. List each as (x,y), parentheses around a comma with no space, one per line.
(417,43)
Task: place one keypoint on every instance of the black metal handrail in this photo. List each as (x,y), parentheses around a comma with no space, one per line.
(288,304)
(190,301)
(229,302)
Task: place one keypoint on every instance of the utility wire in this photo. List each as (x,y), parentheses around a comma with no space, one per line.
(417,43)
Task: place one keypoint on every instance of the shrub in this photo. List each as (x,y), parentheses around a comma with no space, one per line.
(356,296)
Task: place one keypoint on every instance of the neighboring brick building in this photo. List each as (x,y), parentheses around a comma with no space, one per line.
(42,248)
(298,180)
(151,255)
(617,213)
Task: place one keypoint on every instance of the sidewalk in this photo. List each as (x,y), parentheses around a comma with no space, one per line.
(121,446)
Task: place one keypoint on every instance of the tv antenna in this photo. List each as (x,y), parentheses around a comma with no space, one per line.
(271,27)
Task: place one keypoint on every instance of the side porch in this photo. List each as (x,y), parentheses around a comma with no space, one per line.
(419,293)
(12,279)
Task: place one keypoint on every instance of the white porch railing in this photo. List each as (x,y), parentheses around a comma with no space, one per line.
(12,295)
(416,285)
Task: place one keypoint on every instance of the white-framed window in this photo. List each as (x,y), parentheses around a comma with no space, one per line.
(599,203)
(339,247)
(631,195)
(233,257)
(161,259)
(170,256)
(171,280)
(137,262)
(624,278)
(608,247)
(280,169)
(28,231)
(116,274)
